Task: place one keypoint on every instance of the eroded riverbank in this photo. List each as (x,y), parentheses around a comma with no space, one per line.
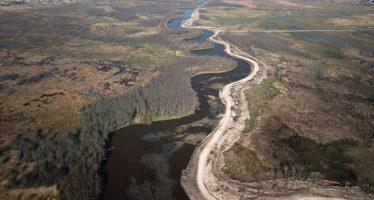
(143,161)
(204,179)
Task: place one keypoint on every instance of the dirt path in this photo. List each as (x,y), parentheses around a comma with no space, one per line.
(289,31)
(229,128)
(203,178)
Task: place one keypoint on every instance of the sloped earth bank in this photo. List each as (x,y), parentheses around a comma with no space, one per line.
(203,179)
(147,160)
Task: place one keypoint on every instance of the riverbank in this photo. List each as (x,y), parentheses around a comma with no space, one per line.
(203,179)
(143,154)
(200,171)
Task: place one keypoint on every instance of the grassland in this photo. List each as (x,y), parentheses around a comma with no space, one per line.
(53,62)
(326,16)
(311,118)
(83,46)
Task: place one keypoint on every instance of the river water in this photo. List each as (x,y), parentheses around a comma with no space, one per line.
(147,159)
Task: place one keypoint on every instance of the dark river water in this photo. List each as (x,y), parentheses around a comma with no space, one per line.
(147,159)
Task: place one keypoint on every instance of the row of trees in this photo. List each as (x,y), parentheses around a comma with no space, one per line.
(168,94)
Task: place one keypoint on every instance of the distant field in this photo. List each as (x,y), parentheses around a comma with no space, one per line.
(328,16)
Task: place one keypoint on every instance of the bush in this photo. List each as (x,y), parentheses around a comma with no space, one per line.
(10,76)
(36,77)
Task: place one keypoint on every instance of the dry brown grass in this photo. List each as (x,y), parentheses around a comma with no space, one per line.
(281,4)
(357,53)
(359,20)
(23,110)
(50,193)
(247,3)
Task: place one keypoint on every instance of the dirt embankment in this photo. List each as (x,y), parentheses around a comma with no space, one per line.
(203,178)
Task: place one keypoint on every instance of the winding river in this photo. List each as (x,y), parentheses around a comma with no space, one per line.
(147,159)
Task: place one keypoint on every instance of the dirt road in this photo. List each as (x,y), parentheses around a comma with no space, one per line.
(230,126)
(290,31)
(203,178)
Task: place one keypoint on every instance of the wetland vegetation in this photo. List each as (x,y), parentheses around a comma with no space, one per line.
(310,119)
(73,73)
(82,71)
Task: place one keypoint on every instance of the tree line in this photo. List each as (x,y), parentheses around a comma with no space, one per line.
(168,94)
(73,161)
